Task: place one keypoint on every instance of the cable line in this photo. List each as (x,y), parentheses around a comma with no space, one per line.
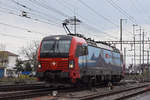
(35,19)
(49,8)
(93,28)
(29,31)
(113,37)
(122,11)
(97,13)
(17,37)
(32,10)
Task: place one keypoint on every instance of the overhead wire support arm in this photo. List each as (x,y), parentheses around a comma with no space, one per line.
(66,28)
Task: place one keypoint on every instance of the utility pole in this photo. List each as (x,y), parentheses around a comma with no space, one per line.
(134,44)
(124,56)
(121,33)
(74,24)
(148,60)
(140,45)
(143,47)
(147,57)
(134,51)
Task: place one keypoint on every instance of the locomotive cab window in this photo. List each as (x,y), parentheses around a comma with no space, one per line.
(55,48)
(81,50)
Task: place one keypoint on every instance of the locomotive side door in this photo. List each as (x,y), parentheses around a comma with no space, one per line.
(85,54)
(82,53)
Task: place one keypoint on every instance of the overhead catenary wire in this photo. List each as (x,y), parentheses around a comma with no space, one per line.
(14,36)
(49,8)
(35,11)
(100,32)
(122,11)
(97,13)
(63,3)
(30,13)
(46,7)
(50,19)
(18,27)
(21,28)
(22,5)
(125,12)
(19,15)
(12,12)
(139,8)
(101,16)
(92,26)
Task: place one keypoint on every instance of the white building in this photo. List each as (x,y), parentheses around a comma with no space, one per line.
(7,63)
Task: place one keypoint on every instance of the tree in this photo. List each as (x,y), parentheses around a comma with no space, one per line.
(30,52)
(19,65)
(28,66)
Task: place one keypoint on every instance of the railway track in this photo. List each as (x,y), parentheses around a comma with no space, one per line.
(16,87)
(132,94)
(23,94)
(118,94)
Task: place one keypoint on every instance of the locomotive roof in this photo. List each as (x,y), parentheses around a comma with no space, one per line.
(93,43)
(102,45)
(107,47)
(63,37)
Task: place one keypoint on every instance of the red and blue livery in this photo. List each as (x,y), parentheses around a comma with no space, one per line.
(73,59)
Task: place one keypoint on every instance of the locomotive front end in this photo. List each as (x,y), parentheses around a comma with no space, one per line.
(54,60)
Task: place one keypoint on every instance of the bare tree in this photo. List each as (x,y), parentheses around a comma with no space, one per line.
(30,52)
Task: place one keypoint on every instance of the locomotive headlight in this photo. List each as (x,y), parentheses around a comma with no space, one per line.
(71,64)
(39,66)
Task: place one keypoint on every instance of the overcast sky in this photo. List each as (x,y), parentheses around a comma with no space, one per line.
(100,20)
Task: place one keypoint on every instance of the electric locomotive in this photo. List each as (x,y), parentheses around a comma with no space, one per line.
(73,59)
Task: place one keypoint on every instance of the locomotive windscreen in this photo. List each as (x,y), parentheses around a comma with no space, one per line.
(55,48)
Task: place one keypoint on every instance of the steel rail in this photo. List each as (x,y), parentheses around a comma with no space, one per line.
(99,95)
(19,87)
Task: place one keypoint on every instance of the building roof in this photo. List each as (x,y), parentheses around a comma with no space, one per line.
(8,53)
